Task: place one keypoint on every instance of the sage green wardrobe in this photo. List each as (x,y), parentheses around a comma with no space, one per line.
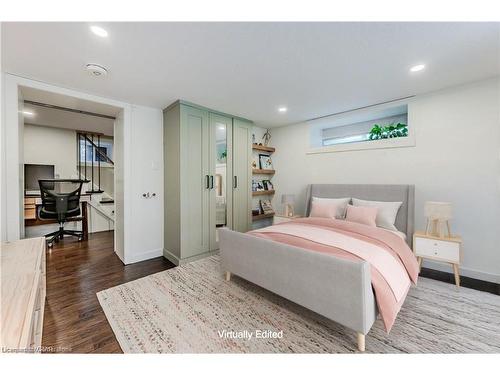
(194,184)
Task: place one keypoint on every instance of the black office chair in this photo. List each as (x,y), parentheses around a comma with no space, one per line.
(60,200)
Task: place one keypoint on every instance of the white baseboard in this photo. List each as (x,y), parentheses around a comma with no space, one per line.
(467,272)
(143,256)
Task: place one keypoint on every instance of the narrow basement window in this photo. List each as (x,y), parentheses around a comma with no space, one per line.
(358,130)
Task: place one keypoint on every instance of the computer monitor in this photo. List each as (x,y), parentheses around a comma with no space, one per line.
(35,172)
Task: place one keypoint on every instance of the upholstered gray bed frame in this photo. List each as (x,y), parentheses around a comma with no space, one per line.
(338,289)
(384,193)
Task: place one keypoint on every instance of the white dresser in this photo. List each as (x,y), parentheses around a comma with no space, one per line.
(23,294)
(442,249)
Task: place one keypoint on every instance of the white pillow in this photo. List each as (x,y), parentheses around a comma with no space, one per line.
(386,214)
(341,204)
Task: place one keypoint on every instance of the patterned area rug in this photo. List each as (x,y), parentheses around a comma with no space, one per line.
(191,309)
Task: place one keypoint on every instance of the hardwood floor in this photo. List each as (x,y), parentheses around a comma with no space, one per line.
(74,321)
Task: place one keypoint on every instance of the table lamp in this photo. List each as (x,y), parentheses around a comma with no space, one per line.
(438,214)
(288,200)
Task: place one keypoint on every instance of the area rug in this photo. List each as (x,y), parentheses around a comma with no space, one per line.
(192,309)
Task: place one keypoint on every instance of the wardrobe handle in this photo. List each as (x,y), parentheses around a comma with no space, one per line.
(211,182)
(207,183)
(235,183)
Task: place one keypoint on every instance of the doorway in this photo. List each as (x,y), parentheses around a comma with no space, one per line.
(48,107)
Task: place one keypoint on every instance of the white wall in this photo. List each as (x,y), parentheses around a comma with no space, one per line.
(456,159)
(54,146)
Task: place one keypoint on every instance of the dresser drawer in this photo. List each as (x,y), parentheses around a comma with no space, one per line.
(442,250)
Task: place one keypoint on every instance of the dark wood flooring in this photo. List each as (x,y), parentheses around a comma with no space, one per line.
(74,321)
(465,282)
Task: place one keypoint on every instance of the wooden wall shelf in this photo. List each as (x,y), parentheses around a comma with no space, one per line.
(262,216)
(263,171)
(263,148)
(262,192)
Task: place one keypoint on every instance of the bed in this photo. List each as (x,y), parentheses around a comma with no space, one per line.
(339,288)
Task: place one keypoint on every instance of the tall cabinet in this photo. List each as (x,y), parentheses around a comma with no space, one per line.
(207,179)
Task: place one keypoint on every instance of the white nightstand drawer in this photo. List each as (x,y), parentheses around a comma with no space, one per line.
(445,250)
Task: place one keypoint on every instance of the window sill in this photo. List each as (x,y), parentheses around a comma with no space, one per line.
(367,145)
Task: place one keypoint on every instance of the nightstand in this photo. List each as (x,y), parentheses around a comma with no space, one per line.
(284,219)
(442,249)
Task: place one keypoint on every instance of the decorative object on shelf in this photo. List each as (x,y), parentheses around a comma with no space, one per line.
(266,137)
(265,162)
(268,185)
(254,164)
(288,201)
(256,211)
(438,215)
(266,207)
(254,185)
(253,138)
(260,186)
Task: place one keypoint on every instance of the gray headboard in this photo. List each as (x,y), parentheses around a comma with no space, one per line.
(384,193)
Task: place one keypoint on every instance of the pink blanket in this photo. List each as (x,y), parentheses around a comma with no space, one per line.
(392,264)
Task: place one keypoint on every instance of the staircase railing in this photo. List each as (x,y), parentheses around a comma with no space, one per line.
(88,139)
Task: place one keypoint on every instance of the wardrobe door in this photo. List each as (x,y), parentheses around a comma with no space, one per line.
(242,175)
(195,181)
(220,173)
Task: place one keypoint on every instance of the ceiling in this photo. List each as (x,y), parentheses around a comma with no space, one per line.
(38,115)
(250,69)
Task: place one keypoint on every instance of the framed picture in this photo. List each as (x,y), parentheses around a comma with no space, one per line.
(268,185)
(265,205)
(260,186)
(265,161)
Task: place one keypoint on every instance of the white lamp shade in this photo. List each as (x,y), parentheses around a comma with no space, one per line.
(287,198)
(438,210)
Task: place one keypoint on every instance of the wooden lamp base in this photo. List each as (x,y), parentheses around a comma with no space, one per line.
(435,227)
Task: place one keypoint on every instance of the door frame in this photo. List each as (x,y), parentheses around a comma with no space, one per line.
(13,159)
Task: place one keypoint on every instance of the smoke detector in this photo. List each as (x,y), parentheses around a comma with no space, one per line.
(96,70)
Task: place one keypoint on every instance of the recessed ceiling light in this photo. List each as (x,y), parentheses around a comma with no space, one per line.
(28,113)
(282,109)
(99,31)
(417,68)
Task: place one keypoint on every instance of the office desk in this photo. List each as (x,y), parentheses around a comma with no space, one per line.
(32,204)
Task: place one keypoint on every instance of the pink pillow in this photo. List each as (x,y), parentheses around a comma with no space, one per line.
(323,208)
(362,215)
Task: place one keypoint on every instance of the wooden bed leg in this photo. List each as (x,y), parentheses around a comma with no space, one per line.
(228,276)
(361,342)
